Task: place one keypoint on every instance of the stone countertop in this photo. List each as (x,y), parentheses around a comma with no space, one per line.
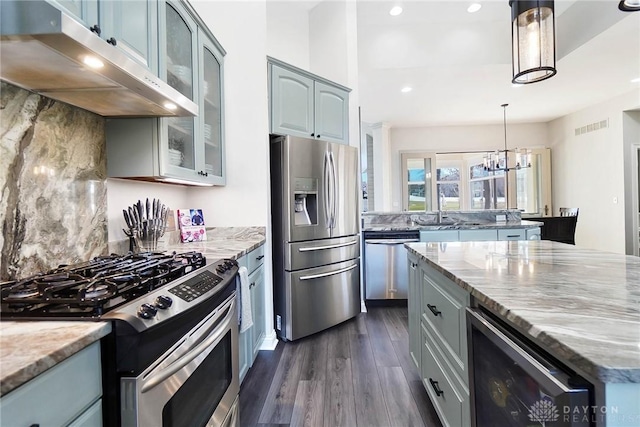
(223,242)
(580,305)
(28,348)
(455,226)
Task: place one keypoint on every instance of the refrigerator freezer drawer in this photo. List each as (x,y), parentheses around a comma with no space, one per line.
(301,255)
(321,297)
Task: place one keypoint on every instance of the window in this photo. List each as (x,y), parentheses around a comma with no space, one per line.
(418,187)
(462,183)
(487,189)
(448,183)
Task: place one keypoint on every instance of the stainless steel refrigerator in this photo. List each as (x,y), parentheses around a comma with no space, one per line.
(316,249)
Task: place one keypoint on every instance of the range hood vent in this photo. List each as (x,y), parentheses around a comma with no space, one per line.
(44,50)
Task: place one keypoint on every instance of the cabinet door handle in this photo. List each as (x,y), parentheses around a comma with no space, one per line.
(260,257)
(95,29)
(434,310)
(252,284)
(313,134)
(112,41)
(436,388)
(318,136)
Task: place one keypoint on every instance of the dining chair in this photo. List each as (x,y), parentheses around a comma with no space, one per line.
(569,211)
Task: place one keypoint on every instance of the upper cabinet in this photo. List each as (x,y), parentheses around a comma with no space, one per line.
(188,150)
(305,105)
(131,26)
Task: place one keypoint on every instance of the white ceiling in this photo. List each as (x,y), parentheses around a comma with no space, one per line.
(459,64)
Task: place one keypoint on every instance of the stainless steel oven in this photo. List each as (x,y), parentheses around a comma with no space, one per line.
(515,384)
(195,383)
(172,359)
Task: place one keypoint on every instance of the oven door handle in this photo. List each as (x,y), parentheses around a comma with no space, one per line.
(191,354)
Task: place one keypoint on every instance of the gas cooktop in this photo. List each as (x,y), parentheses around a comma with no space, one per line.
(93,288)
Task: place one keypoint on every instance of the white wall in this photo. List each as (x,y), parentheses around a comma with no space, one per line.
(588,172)
(441,139)
(288,32)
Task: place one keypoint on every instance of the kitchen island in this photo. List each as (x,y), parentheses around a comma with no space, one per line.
(29,348)
(580,306)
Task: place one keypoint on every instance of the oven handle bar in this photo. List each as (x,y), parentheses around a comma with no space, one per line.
(191,354)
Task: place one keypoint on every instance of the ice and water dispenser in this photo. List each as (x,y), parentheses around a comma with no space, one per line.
(305,201)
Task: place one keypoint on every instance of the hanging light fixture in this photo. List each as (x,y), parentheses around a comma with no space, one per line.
(499,160)
(533,40)
(629,5)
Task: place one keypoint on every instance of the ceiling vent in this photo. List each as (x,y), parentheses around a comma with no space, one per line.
(592,127)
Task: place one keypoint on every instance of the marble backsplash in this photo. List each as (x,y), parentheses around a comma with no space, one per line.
(370,219)
(53,183)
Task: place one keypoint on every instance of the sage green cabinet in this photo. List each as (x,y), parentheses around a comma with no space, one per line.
(187,150)
(68,394)
(84,11)
(131,26)
(488,234)
(438,340)
(305,105)
(414,302)
(251,339)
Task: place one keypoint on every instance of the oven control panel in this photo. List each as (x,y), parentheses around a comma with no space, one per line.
(196,286)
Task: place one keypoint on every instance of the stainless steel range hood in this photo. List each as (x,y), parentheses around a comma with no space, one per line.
(44,50)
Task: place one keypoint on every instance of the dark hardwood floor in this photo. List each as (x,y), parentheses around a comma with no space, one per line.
(358,373)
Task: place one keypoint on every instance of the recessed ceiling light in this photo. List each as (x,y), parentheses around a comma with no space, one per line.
(636,80)
(395,11)
(474,7)
(406,89)
(93,62)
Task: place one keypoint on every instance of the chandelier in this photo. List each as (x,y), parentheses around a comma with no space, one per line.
(506,160)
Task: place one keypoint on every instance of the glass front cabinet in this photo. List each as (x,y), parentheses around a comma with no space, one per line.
(186,150)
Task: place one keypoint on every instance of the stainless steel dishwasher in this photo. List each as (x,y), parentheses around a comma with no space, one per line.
(385,257)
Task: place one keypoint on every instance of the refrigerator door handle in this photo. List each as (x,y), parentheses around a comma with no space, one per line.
(330,273)
(319,248)
(334,190)
(327,190)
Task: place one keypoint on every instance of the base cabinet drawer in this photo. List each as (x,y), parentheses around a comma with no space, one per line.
(443,313)
(92,417)
(478,235)
(450,398)
(64,393)
(512,234)
(439,236)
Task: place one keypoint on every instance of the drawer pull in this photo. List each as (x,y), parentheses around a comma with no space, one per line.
(259,258)
(436,388)
(434,310)
(512,235)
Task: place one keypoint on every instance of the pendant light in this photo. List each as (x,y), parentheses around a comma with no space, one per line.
(629,5)
(533,40)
